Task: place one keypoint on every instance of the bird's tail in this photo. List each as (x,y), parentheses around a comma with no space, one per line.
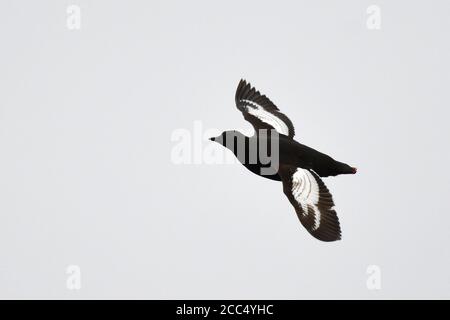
(334,168)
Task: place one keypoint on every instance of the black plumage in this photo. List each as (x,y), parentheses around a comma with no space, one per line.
(299,167)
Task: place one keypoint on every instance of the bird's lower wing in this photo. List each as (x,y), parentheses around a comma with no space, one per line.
(312,201)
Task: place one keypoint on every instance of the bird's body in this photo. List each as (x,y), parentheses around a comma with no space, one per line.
(297,166)
(291,153)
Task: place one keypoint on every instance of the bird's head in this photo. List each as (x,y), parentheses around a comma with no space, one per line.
(229,138)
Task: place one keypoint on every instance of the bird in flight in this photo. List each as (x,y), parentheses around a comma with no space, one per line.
(298,167)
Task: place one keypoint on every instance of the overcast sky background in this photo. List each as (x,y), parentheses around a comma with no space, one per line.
(87,179)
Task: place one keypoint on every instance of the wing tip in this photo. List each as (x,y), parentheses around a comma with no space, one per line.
(330,237)
(242,84)
(243,88)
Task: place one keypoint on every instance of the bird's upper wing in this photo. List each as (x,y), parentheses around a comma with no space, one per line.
(312,202)
(260,111)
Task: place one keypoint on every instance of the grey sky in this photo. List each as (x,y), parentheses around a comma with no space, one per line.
(86,177)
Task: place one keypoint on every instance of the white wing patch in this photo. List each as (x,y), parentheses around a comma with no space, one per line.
(267,117)
(305,190)
(312,201)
